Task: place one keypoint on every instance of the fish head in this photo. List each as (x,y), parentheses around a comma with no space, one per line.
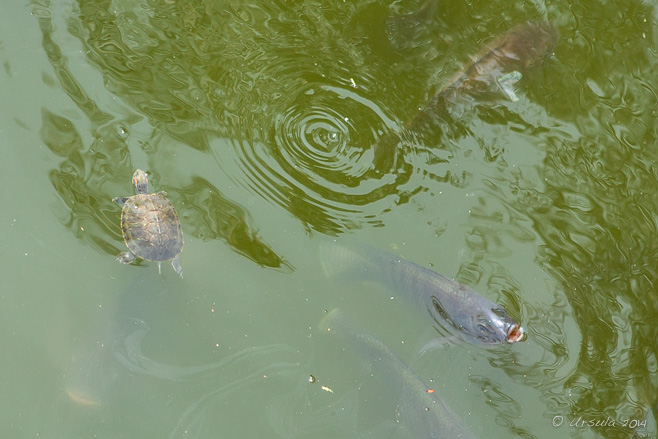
(528,44)
(505,328)
(485,325)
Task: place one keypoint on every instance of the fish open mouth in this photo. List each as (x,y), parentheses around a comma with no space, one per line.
(515,333)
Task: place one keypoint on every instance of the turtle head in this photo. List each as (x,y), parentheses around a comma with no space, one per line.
(141,182)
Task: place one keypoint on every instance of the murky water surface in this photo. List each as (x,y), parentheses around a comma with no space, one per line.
(509,146)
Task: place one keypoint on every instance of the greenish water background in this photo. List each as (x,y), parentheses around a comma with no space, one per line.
(246,115)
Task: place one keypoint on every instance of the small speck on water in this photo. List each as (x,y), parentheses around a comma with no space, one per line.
(122,132)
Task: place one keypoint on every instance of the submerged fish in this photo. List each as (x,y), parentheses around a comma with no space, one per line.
(495,70)
(421,412)
(515,52)
(455,307)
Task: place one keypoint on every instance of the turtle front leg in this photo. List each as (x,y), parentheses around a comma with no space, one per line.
(126,257)
(120,200)
(176,264)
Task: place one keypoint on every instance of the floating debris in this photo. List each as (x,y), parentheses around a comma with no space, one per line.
(327,389)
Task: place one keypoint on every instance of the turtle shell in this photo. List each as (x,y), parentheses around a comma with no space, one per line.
(151,227)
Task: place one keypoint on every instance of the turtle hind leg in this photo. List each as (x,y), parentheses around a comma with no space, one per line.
(176,264)
(126,257)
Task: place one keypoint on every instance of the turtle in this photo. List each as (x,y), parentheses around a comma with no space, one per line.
(150,226)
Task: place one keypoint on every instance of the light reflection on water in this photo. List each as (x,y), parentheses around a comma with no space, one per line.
(561,182)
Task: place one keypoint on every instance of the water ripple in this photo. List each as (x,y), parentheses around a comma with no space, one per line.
(316,156)
(323,141)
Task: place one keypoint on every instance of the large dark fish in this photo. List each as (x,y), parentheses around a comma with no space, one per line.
(421,413)
(455,307)
(494,72)
(517,51)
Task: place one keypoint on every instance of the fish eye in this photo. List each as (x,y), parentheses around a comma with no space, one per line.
(482,327)
(500,312)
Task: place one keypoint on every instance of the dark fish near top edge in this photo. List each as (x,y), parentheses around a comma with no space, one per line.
(455,307)
(518,50)
(421,414)
(495,70)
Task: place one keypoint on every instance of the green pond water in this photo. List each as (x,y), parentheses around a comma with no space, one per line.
(261,121)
